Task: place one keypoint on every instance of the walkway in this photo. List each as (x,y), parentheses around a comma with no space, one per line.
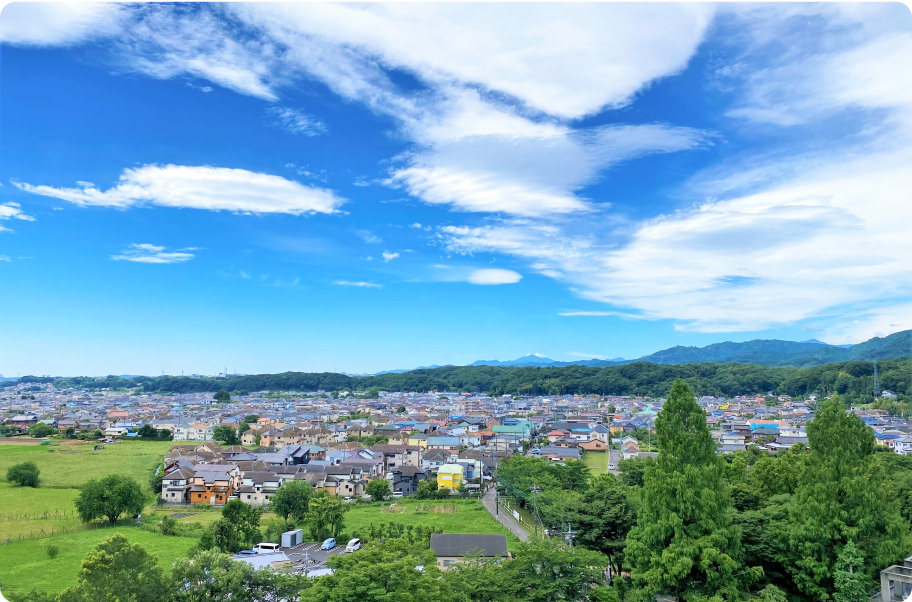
(488,500)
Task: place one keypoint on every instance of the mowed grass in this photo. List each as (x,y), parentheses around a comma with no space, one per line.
(596,461)
(72,466)
(450,516)
(25,565)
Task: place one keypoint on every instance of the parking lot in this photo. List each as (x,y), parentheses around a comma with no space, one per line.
(309,557)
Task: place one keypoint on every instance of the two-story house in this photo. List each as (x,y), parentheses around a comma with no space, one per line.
(214,483)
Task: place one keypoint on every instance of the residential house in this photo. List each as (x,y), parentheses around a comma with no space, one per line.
(449,476)
(176,486)
(405,479)
(214,483)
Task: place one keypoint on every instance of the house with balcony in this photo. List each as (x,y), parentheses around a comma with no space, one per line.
(176,486)
(258,487)
(214,483)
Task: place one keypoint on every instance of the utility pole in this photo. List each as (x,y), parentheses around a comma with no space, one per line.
(876,381)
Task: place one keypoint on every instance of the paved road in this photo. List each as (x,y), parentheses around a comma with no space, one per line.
(488,500)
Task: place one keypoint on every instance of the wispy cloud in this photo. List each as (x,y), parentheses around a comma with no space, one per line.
(5,259)
(368,237)
(297,122)
(199,187)
(358,283)
(387,256)
(148,253)
(11,211)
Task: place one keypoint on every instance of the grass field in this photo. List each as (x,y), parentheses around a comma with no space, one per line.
(64,467)
(469,516)
(25,565)
(596,461)
(71,466)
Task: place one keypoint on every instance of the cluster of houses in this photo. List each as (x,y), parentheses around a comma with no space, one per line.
(455,440)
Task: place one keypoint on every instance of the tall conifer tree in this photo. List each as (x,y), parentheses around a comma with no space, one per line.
(684,543)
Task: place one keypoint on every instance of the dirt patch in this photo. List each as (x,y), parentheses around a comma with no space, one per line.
(393,508)
(181,514)
(19,441)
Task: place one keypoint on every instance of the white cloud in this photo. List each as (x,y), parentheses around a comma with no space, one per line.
(387,256)
(11,211)
(834,237)
(358,283)
(615,50)
(297,122)
(200,187)
(147,253)
(57,24)
(5,259)
(494,276)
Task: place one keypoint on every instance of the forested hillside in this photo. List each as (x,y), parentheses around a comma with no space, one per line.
(854,380)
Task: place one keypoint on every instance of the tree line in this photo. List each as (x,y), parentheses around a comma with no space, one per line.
(853,380)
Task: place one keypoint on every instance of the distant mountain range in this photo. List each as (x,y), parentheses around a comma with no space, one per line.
(766,352)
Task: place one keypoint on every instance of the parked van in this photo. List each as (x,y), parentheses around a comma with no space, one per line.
(353,546)
(266,548)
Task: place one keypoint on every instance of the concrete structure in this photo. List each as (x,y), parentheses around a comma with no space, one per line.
(896,582)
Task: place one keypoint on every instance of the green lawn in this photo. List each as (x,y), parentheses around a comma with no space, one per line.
(25,565)
(70,467)
(469,516)
(597,461)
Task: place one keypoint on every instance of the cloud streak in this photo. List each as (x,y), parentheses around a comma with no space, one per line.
(153,254)
(199,187)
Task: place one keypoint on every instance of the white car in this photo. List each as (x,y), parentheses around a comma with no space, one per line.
(397,494)
(347,499)
(266,548)
(353,546)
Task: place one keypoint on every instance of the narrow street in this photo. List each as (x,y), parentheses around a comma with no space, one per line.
(488,500)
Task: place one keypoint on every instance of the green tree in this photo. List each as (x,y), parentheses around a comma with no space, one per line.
(110,497)
(292,500)
(24,474)
(251,418)
(382,572)
(245,520)
(223,535)
(225,434)
(633,470)
(603,517)
(147,431)
(378,489)
(326,515)
(40,429)
(544,570)
(844,495)
(851,583)
(222,396)
(118,571)
(209,575)
(684,542)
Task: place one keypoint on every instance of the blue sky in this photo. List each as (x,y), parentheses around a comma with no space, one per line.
(270,187)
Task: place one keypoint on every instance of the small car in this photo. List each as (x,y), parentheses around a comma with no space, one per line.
(353,546)
(347,499)
(397,494)
(329,544)
(266,548)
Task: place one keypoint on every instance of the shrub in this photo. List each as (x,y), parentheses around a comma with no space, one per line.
(24,474)
(52,552)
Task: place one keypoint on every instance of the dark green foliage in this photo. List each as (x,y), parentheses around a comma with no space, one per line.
(850,583)
(226,435)
(209,575)
(544,570)
(639,378)
(633,469)
(843,495)
(292,500)
(684,542)
(326,515)
(52,551)
(602,518)
(222,396)
(378,489)
(40,429)
(382,572)
(118,570)
(109,498)
(24,474)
